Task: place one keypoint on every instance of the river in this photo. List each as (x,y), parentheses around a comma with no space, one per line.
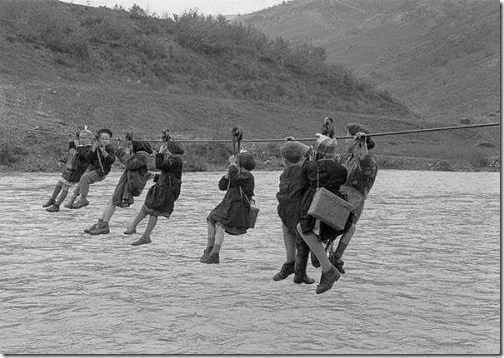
(422,274)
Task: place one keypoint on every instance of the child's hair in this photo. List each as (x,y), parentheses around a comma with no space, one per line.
(354,128)
(141,146)
(246,160)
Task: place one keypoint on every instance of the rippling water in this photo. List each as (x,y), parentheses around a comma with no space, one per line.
(423,275)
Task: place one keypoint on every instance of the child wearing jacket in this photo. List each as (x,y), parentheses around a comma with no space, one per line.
(321,171)
(292,187)
(231,214)
(75,166)
(160,199)
(135,157)
(100,158)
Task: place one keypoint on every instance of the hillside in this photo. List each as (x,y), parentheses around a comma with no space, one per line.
(63,66)
(440,58)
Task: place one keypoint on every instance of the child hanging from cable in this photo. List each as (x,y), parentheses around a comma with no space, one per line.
(292,187)
(75,166)
(100,158)
(135,157)
(160,199)
(321,171)
(232,213)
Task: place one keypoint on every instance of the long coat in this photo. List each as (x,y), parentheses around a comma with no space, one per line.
(79,163)
(160,199)
(326,173)
(98,162)
(133,179)
(233,211)
(292,187)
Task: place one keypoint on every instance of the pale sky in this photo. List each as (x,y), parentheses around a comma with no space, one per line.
(206,7)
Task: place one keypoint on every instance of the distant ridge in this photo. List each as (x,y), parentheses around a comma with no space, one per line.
(440,57)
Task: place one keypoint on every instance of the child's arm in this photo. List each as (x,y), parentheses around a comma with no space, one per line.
(107,154)
(167,163)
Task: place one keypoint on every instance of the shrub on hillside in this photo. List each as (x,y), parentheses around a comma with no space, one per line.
(198,53)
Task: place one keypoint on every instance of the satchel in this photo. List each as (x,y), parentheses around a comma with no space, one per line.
(157,197)
(329,208)
(137,182)
(253,212)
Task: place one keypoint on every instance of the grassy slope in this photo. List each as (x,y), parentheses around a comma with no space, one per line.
(37,92)
(442,58)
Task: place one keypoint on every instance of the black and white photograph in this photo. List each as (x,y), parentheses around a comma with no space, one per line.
(250,177)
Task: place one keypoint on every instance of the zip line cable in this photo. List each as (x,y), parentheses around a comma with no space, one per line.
(380,134)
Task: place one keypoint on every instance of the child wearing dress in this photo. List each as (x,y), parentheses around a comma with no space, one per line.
(160,199)
(321,171)
(231,215)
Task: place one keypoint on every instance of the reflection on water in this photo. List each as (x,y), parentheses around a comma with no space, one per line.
(423,275)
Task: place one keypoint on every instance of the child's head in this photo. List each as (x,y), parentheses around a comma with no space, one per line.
(324,147)
(104,136)
(174,147)
(293,152)
(353,129)
(246,161)
(141,146)
(86,137)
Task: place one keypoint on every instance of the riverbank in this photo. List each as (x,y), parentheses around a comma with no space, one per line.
(265,161)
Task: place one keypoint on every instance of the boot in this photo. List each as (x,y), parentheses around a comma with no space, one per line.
(101,228)
(206,254)
(285,271)
(301,262)
(53,208)
(56,205)
(130,231)
(314,261)
(141,241)
(48,203)
(55,193)
(93,227)
(81,203)
(337,262)
(70,202)
(213,257)
(327,280)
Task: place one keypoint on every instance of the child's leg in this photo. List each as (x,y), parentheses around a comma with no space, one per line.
(72,197)
(290,253)
(109,211)
(55,193)
(132,227)
(219,237)
(290,244)
(210,241)
(329,272)
(210,235)
(317,248)
(145,238)
(102,226)
(302,253)
(150,226)
(336,257)
(218,232)
(64,191)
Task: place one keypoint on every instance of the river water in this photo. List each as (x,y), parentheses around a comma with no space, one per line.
(422,275)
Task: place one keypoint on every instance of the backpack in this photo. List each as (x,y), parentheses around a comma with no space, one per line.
(72,161)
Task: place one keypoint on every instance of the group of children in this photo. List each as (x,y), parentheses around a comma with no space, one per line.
(350,175)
